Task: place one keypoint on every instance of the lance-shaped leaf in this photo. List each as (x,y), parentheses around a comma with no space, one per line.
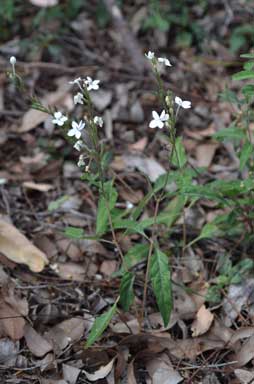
(126,290)
(161,283)
(100,325)
(106,204)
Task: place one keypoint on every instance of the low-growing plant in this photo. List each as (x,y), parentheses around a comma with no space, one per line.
(170,194)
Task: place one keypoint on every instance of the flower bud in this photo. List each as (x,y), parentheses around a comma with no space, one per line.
(13,60)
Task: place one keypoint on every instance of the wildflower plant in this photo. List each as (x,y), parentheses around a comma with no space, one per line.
(85,138)
(170,193)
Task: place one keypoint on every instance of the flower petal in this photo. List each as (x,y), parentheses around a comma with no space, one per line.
(178,101)
(153,123)
(186,104)
(155,115)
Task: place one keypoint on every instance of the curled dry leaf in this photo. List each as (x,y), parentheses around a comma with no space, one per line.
(101,372)
(203,321)
(16,247)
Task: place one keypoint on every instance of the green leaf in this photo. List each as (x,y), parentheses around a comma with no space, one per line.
(53,205)
(74,232)
(131,225)
(248,90)
(135,255)
(229,96)
(247,55)
(161,283)
(230,133)
(179,156)
(100,325)
(106,202)
(248,66)
(209,230)
(243,75)
(169,215)
(126,290)
(245,154)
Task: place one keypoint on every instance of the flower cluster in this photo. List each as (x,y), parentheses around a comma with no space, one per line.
(85,85)
(159,120)
(151,56)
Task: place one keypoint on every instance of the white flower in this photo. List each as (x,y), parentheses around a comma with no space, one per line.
(91,84)
(59,119)
(150,55)
(164,61)
(81,161)
(182,103)
(158,120)
(13,60)
(76,129)
(78,145)
(76,81)
(129,205)
(98,120)
(78,98)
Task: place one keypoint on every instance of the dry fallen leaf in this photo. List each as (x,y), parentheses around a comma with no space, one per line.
(71,271)
(131,379)
(140,145)
(203,321)
(70,373)
(16,247)
(205,154)
(246,352)
(162,372)
(244,376)
(12,310)
(37,187)
(35,342)
(8,352)
(101,372)
(239,296)
(148,165)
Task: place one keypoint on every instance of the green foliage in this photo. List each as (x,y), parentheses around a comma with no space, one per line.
(126,290)
(106,204)
(100,324)
(13,10)
(241,37)
(179,156)
(228,274)
(54,205)
(74,232)
(175,15)
(161,283)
